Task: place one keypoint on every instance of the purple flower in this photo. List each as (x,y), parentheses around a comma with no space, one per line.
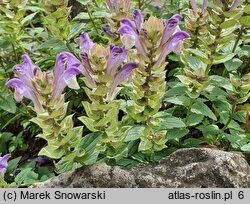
(84,42)
(117,5)
(86,62)
(138,19)
(194,6)
(121,75)
(26,71)
(173,45)
(130,35)
(235,4)
(116,57)
(22,90)
(204,6)
(42,160)
(170,28)
(66,68)
(158,8)
(3,164)
(106,28)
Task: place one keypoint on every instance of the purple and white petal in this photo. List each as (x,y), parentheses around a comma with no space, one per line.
(22,90)
(121,75)
(3,164)
(194,5)
(204,6)
(84,42)
(173,45)
(116,57)
(235,4)
(138,19)
(170,28)
(26,71)
(86,62)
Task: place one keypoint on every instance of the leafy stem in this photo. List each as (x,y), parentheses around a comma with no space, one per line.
(238,39)
(91,18)
(191,101)
(230,117)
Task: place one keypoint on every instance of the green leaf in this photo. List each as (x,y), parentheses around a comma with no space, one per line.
(4,138)
(88,142)
(170,123)
(178,100)
(26,176)
(193,62)
(28,18)
(201,108)
(176,133)
(191,142)
(145,145)
(8,104)
(209,129)
(76,29)
(199,54)
(134,133)
(245,20)
(247,9)
(118,153)
(52,151)
(228,24)
(218,59)
(194,119)
(246,148)
(12,165)
(81,16)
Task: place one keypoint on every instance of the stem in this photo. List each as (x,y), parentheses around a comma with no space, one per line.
(69,47)
(14,50)
(196,34)
(238,39)
(91,18)
(215,44)
(11,120)
(230,117)
(139,4)
(189,109)
(96,4)
(171,2)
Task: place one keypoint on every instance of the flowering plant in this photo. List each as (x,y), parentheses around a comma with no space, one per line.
(129,85)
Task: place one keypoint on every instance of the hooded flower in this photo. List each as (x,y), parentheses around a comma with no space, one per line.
(235,4)
(116,57)
(106,28)
(24,86)
(22,90)
(84,42)
(131,36)
(138,19)
(170,28)
(203,7)
(173,45)
(66,68)
(118,5)
(3,164)
(121,75)
(194,6)
(26,71)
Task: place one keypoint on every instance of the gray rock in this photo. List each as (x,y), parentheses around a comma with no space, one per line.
(191,168)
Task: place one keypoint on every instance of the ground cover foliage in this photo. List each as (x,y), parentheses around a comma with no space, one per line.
(121,82)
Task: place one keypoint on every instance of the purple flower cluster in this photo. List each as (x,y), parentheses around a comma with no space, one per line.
(65,71)
(117,55)
(171,40)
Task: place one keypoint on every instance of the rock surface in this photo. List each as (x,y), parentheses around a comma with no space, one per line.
(191,168)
